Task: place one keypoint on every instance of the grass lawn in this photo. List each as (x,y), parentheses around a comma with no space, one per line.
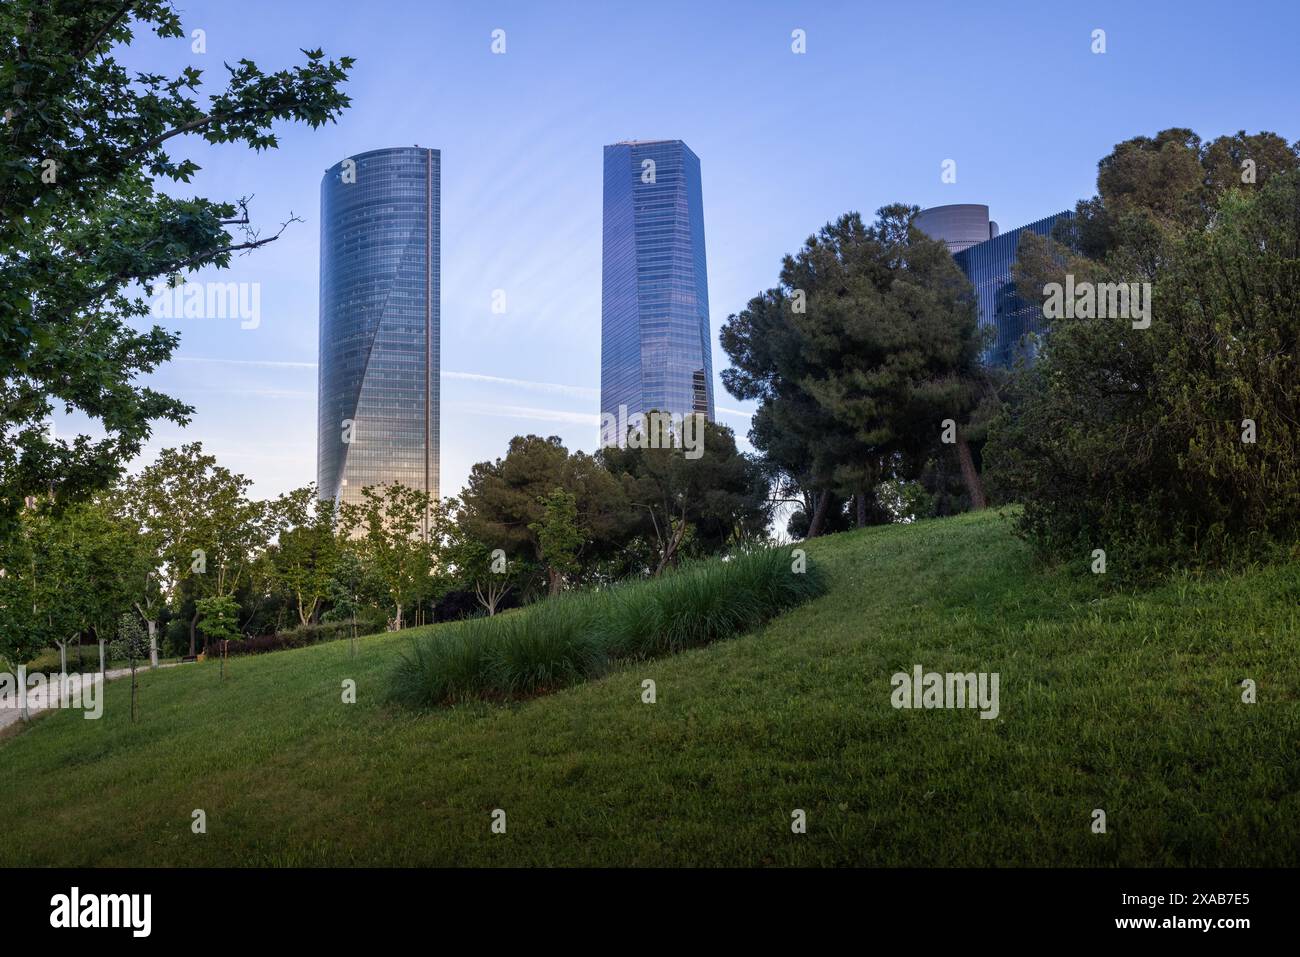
(1121,701)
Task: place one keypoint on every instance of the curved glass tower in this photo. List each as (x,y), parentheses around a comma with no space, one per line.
(960,225)
(379,322)
(656,348)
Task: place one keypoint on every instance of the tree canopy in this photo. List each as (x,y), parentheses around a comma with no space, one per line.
(86,227)
(867,345)
(1177,444)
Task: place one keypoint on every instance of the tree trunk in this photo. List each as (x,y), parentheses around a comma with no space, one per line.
(152,623)
(491,598)
(557,580)
(861,499)
(819,513)
(974,486)
(194,622)
(670,550)
(63,676)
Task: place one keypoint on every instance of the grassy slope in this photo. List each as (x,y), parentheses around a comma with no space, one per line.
(1127,704)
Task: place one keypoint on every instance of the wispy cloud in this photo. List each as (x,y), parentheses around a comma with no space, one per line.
(555,388)
(272,363)
(529,412)
(257,393)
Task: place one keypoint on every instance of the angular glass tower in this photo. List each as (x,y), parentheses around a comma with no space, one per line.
(655,348)
(379,322)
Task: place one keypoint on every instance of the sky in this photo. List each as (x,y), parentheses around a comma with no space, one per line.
(883,95)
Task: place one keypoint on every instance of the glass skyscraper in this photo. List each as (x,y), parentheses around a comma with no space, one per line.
(656,348)
(988,266)
(379,322)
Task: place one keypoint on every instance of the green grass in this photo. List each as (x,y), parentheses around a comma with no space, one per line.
(577,636)
(1121,701)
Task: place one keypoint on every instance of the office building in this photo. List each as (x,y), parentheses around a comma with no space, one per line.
(656,345)
(960,225)
(987,258)
(988,265)
(379,322)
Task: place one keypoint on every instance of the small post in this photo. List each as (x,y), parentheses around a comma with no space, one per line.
(22,693)
(63,676)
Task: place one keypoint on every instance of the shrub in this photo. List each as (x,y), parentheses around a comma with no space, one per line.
(573,637)
(132,641)
(1135,441)
(81,659)
(304,635)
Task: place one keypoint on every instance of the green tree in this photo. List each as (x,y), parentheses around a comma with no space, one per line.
(72,577)
(503,507)
(132,643)
(1175,444)
(21,638)
(1152,189)
(482,569)
(559,537)
(859,359)
(87,226)
(112,558)
(347,589)
(682,500)
(388,532)
(72,571)
(43,600)
(306,551)
(197,515)
(219,618)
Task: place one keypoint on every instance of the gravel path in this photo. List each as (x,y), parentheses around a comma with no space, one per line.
(37,700)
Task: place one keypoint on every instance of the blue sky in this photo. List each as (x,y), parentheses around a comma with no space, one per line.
(884,94)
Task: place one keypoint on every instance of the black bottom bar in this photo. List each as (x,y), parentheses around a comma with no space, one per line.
(331,907)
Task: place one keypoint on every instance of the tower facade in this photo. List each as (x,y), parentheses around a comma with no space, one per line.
(379,323)
(960,225)
(656,346)
(989,266)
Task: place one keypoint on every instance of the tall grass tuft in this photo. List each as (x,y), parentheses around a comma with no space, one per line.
(570,638)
